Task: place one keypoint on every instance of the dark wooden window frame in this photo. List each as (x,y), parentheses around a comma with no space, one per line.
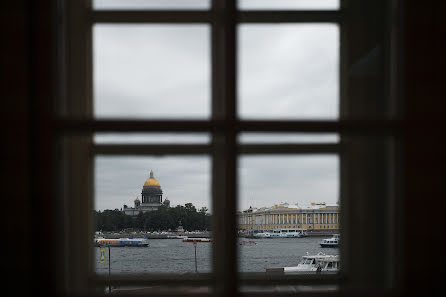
(75,126)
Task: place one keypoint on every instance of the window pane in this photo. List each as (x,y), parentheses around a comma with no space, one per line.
(288,205)
(150,4)
(151,138)
(288,71)
(289,4)
(248,137)
(161,199)
(151,71)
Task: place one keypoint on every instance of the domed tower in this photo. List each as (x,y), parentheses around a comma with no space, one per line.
(151,194)
(137,202)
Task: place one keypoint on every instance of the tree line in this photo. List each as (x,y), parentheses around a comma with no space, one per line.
(163,219)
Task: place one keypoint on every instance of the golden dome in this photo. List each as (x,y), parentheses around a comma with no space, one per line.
(137,199)
(151,181)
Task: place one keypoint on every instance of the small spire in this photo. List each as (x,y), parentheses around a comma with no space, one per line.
(151,173)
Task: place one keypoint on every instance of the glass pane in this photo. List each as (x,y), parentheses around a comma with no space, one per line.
(150,4)
(288,71)
(151,138)
(253,137)
(288,207)
(151,71)
(160,201)
(289,4)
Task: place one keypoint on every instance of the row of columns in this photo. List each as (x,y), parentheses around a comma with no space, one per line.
(282,219)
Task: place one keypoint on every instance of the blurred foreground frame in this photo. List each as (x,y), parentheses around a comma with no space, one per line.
(29,29)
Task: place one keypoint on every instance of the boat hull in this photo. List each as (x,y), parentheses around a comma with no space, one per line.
(328,245)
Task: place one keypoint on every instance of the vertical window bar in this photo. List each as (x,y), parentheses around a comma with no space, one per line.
(78,165)
(343,182)
(224,159)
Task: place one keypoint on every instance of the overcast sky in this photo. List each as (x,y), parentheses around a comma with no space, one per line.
(286,71)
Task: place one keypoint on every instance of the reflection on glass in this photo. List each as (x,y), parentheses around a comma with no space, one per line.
(288,205)
(151,71)
(288,71)
(248,137)
(151,138)
(288,4)
(150,4)
(162,202)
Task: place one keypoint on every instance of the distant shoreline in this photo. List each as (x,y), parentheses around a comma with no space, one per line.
(204,234)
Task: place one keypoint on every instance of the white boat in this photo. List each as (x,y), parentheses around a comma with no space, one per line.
(311,263)
(331,242)
(281,233)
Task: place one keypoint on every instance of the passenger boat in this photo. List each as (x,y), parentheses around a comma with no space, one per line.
(331,242)
(197,240)
(122,242)
(311,263)
(281,233)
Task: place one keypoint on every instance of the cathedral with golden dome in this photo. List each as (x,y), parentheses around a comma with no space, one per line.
(151,198)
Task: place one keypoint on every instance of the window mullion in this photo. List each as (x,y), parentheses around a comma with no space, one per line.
(224,142)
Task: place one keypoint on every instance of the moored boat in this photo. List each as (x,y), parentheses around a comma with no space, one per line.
(122,242)
(280,233)
(311,263)
(176,237)
(197,240)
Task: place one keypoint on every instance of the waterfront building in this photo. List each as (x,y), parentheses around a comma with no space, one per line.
(151,196)
(314,217)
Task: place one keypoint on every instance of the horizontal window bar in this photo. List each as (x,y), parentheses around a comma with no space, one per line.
(261,279)
(287,16)
(155,279)
(130,16)
(363,127)
(190,149)
(155,149)
(369,292)
(164,16)
(308,148)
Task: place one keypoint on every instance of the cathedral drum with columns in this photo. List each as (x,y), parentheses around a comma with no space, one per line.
(151,196)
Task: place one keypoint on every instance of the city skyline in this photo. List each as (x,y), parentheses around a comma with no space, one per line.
(263,180)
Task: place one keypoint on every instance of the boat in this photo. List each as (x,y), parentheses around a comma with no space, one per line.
(197,240)
(331,242)
(311,263)
(248,242)
(176,237)
(122,242)
(280,233)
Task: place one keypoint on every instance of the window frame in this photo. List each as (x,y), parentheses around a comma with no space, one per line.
(75,111)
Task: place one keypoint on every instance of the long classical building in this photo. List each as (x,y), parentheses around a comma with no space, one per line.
(317,216)
(151,195)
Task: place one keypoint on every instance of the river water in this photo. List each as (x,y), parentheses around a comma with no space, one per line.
(175,256)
